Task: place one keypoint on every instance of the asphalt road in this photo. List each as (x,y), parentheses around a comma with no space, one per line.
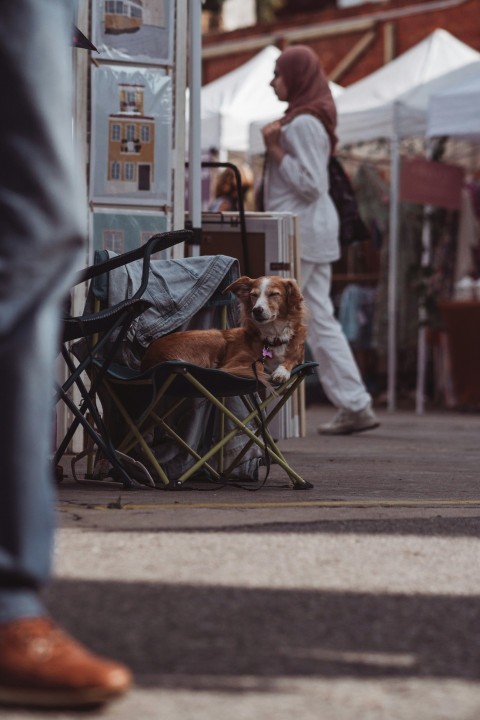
(356,600)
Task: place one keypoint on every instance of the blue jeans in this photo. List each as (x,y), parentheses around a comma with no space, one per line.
(41,241)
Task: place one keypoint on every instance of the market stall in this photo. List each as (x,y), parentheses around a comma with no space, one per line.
(392,104)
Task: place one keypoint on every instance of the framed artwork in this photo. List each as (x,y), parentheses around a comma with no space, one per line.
(124,230)
(130,149)
(133,31)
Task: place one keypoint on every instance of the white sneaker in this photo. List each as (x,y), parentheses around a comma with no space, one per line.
(346,422)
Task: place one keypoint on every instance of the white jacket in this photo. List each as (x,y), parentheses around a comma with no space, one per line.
(299,184)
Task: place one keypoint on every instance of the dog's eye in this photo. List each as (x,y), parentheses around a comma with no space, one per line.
(274,294)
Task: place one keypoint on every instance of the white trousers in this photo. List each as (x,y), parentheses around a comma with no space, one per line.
(337,369)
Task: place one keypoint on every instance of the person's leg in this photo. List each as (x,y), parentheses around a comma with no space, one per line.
(26,498)
(40,241)
(337,369)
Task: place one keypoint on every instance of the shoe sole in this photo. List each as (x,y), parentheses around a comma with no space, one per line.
(367,427)
(21,697)
(350,431)
(335,432)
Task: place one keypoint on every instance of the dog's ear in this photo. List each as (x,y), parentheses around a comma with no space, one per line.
(241,287)
(294,296)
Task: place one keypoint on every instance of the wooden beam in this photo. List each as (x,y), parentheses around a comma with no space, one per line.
(388,42)
(351,57)
(287,36)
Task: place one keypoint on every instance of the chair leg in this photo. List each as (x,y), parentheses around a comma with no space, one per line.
(285,392)
(109,452)
(134,430)
(259,435)
(242,425)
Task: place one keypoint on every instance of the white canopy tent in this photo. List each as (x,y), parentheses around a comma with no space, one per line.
(392,103)
(393,100)
(232,103)
(456,111)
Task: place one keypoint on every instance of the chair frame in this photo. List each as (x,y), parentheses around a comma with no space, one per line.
(97,329)
(168,385)
(179,381)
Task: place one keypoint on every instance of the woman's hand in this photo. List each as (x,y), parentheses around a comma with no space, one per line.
(272,134)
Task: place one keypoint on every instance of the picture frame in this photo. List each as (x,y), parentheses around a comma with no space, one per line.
(130,149)
(133,31)
(121,229)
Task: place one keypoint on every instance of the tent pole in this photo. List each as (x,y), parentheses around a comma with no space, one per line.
(422,312)
(194,126)
(422,339)
(392,271)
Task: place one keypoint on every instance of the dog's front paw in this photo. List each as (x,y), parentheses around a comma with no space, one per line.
(280,375)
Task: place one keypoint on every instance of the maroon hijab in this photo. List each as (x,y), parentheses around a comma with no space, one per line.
(307,87)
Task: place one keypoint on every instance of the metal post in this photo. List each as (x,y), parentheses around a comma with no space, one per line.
(392,270)
(194,145)
(422,312)
(180,77)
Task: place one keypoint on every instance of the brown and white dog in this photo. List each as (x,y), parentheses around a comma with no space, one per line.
(271,337)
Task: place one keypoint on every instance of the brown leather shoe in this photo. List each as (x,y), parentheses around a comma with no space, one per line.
(40,665)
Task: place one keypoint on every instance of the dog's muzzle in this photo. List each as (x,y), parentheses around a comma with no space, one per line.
(259,314)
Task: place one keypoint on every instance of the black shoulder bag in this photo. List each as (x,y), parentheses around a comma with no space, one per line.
(352,227)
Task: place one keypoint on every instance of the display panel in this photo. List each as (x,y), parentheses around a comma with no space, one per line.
(130,151)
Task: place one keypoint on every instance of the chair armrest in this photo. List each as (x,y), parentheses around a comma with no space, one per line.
(158,242)
(103,320)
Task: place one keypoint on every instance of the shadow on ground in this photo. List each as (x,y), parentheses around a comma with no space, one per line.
(213,637)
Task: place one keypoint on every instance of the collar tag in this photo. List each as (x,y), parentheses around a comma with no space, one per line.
(266,352)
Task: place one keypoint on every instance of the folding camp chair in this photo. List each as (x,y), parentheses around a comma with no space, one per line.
(161,404)
(102,331)
(172,384)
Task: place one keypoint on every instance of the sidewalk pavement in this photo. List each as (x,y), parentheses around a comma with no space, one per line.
(356,600)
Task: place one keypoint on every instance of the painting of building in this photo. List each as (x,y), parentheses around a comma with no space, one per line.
(130,155)
(122,230)
(131,143)
(123,16)
(138,31)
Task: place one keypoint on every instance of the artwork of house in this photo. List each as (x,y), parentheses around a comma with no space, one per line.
(131,143)
(133,30)
(122,230)
(123,16)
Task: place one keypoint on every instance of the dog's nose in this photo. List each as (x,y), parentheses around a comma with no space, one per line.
(258,312)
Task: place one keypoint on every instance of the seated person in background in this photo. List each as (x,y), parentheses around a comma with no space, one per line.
(226,191)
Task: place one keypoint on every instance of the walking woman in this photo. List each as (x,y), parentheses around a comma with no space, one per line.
(299,146)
